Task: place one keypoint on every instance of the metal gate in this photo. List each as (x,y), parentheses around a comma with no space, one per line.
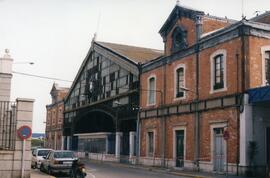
(219,150)
(7,125)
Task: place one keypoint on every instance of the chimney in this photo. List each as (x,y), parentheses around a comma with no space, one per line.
(5,76)
(198,27)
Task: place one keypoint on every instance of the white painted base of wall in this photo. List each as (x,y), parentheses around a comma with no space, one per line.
(98,156)
(205,166)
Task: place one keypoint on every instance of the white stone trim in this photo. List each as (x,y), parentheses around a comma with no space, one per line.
(148,88)
(212,127)
(263,50)
(174,143)
(213,55)
(175,81)
(147,143)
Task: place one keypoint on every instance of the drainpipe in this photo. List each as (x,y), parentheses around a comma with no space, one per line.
(197,114)
(163,117)
(241,88)
(138,130)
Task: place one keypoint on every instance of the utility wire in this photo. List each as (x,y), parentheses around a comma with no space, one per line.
(39,76)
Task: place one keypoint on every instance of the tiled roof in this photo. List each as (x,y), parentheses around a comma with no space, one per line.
(134,53)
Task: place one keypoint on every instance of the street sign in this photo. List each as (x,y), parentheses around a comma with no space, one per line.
(24,132)
(226,135)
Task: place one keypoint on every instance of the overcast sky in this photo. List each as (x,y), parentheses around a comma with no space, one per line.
(56,35)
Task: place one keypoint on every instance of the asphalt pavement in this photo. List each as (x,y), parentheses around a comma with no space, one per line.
(101,170)
(97,169)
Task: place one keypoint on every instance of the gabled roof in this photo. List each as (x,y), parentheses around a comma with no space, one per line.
(262,17)
(134,53)
(56,87)
(178,11)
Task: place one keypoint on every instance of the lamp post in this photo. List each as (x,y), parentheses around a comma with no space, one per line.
(117,134)
(197,124)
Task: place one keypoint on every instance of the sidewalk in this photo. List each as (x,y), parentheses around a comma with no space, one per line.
(35,173)
(168,171)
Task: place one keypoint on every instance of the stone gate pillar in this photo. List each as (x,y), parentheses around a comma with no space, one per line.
(24,114)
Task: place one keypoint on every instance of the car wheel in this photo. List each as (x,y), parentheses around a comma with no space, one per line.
(50,171)
(42,168)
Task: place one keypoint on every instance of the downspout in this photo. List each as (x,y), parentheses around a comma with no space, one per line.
(237,115)
(197,114)
(241,89)
(138,130)
(163,118)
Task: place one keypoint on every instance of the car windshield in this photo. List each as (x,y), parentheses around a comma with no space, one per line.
(43,152)
(63,155)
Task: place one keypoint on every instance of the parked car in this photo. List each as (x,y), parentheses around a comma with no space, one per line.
(37,156)
(58,161)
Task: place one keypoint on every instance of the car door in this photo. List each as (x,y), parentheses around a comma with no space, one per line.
(34,157)
(50,161)
(47,160)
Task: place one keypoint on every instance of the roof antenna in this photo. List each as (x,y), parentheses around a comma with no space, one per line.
(242,9)
(178,2)
(98,22)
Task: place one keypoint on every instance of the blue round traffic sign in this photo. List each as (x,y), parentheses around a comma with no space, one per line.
(24,132)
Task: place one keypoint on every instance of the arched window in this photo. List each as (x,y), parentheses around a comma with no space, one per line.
(179,39)
(219,71)
(180,78)
(151,90)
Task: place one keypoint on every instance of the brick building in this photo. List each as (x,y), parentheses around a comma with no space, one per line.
(54,119)
(203,87)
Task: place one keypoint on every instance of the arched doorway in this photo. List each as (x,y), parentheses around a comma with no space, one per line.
(95,132)
(95,121)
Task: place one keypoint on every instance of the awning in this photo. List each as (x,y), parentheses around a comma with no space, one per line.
(260,94)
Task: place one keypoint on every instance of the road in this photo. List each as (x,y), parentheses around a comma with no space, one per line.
(99,170)
(110,170)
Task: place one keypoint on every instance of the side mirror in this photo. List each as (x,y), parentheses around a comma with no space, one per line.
(44,157)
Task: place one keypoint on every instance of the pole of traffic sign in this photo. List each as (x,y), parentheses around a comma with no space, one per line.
(227,165)
(23,151)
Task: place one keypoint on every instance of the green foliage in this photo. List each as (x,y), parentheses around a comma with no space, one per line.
(37,143)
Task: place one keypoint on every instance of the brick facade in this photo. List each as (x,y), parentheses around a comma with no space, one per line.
(54,120)
(212,109)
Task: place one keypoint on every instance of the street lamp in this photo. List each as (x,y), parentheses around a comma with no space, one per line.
(25,62)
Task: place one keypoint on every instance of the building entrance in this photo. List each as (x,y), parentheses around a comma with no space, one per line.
(179,148)
(219,150)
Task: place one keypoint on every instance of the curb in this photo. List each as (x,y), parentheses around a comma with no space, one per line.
(153,169)
(188,175)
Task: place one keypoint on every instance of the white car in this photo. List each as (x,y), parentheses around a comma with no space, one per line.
(37,156)
(58,161)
